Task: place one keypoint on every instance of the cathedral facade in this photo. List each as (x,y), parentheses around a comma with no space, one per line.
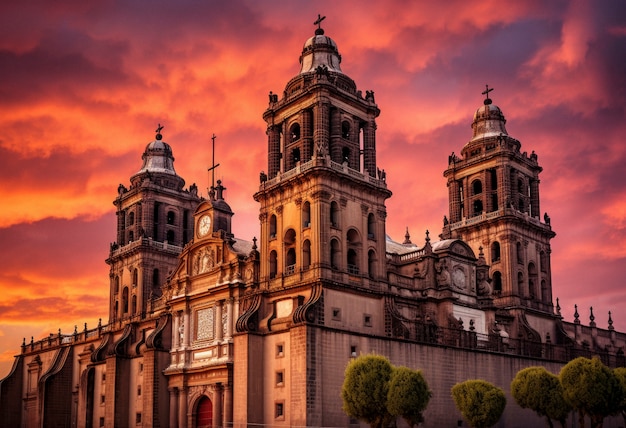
(208,330)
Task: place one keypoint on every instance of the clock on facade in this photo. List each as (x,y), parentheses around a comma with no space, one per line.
(204,225)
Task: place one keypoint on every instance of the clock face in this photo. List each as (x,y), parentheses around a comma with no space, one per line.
(204,225)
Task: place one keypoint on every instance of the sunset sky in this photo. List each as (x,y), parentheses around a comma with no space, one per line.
(83,85)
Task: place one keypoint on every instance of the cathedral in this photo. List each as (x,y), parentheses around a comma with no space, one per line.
(206,329)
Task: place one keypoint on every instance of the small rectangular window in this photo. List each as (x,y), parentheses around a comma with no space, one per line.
(140,367)
(280,350)
(104,377)
(280,378)
(101,422)
(353,351)
(102,399)
(336,314)
(139,390)
(367,320)
(138,418)
(279,412)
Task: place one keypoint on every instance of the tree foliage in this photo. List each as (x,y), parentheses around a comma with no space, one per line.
(408,395)
(481,403)
(365,389)
(620,373)
(537,389)
(591,388)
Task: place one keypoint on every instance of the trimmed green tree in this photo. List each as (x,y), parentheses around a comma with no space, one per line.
(620,373)
(365,389)
(592,389)
(537,389)
(408,395)
(481,403)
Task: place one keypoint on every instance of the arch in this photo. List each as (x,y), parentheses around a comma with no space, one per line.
(290,261)
(497,282)
(477,187)
(306,254)
(345,129)
(371,263)
(495,251)
(335,253)
(294,132)
(353,261)
(334,214)
(290,237)
(371,226)
(353,236)
(519,253)
(204,413)
(133,306)
(477,207)
(273,263)
(135,277)
(117,284)
(273,226)
(354,241)
(306,214)
(125,300)
(171,217)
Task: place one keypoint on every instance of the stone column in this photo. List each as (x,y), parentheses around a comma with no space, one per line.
(230,321)
(175,332)
(173,407)
(228,406)
(186,329)
(217,405)
(182,408)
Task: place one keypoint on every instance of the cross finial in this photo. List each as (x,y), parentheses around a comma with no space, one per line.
(212,170)
(318,22)
(486,94)
(158,132)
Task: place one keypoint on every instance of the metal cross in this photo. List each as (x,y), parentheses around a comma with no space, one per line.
(486,91)
(319,20)
(158,130)
(212,169)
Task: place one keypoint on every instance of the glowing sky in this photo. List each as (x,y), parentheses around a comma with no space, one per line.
(83,85)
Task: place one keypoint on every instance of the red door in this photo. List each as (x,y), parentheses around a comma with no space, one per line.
(204,413)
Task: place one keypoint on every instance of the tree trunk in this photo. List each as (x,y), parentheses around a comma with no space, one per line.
(549,422)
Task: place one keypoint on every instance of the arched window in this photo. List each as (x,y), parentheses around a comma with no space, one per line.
(273,263)
(497,282)
(371,226)
(125,300)
(494,202)
(345,155)
(306,254)
(532,279)
(294,132)
(289,241)
(520,255)
(477,187)
(345,129)
(131,236)
(371,263)
(133,306)
(135,277)
(272,226)
(520,284)
(545,293)
(521,205)
(170,236)
(478,207)
(495,252)
(171,217)
(117,284)
(131,219)
(494,179)
(354,243)
(306,214)
(334,214)
(520,185)
(335,253)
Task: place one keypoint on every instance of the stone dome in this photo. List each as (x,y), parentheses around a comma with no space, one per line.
(488,121)
(320,50)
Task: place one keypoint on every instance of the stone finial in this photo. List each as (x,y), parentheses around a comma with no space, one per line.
(407,237)
(558,308)
(254,247)
(576,316)
(611,322)
(592,318)
(427,236)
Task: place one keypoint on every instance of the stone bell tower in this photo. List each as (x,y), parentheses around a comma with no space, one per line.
(493,192)
(323,197)
(154,222)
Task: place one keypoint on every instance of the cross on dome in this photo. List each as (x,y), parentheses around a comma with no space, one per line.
(486,94)
(319,30)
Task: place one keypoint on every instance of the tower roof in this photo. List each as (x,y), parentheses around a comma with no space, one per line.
(488,120)
(157,157)
(320,50)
